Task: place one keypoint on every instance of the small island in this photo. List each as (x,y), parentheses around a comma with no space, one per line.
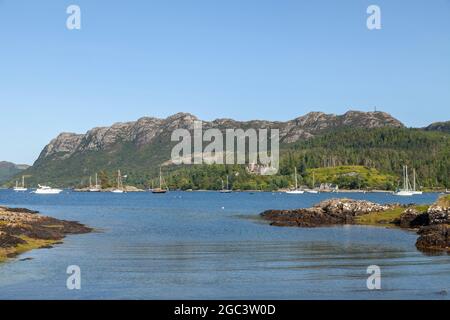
(22,230)
(432,223)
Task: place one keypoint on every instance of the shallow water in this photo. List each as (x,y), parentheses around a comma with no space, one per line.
(207,245)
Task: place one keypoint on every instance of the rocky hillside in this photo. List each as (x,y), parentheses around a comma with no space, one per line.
(439,126)
(140,147)
(146,131)
(9,169)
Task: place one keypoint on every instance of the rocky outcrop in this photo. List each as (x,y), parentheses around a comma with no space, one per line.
(438,215)
(434,238)
(328,212)
(19,225)
(412,218)
(433,225)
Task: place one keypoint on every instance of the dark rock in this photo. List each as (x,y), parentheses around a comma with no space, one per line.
(20,210)
(434,237)
(7,240)
(412,218)
(328,212)
(26,259)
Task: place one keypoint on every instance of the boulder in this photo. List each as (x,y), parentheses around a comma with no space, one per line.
(438,215)
(411,218)
(328,212)
(434,237)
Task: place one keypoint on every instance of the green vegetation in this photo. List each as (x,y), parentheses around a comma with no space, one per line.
(444,201)
(9,170)
(351,158)
(386,218)
(385,149)
(354,177)
(30,244)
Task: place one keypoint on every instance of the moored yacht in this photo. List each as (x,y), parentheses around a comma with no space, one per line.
(22,188)
(47,190)
(119,183)
(296,190)
(160,190)
(227,189)
(406,191)
(95,188)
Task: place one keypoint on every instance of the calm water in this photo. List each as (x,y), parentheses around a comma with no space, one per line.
(213,246)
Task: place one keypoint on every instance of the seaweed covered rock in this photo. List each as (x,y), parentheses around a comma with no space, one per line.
(412,218)
(328,212)
(434,237)
(23,226)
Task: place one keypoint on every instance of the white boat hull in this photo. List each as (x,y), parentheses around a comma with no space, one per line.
(51,191)
(117,191)
(404,193)
(20,189)
(295,192)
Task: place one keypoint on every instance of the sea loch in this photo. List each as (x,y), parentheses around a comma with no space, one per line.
(199,245)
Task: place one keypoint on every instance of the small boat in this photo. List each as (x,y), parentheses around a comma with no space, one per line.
(296,190)
(119,183)
(406,191)
(47,190)
(95,188)
(160,190)
(227,189)
(22,188)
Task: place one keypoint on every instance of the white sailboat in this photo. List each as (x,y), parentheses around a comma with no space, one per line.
(296,190)
(47,190)
(414,191)
(406,191)
(96,188)
(119,183)
(227,190)
(314,191)
(20,188)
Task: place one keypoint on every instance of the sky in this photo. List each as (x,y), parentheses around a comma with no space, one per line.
(241,59)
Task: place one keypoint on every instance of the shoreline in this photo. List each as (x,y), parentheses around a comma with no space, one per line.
(22,230)
(431,222)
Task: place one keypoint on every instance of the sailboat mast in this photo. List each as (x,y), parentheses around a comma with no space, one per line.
(414,173)
(407,179)
(23,181)
(296,181)
(160,178)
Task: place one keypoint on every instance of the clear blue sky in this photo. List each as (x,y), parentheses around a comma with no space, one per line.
(243,59)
